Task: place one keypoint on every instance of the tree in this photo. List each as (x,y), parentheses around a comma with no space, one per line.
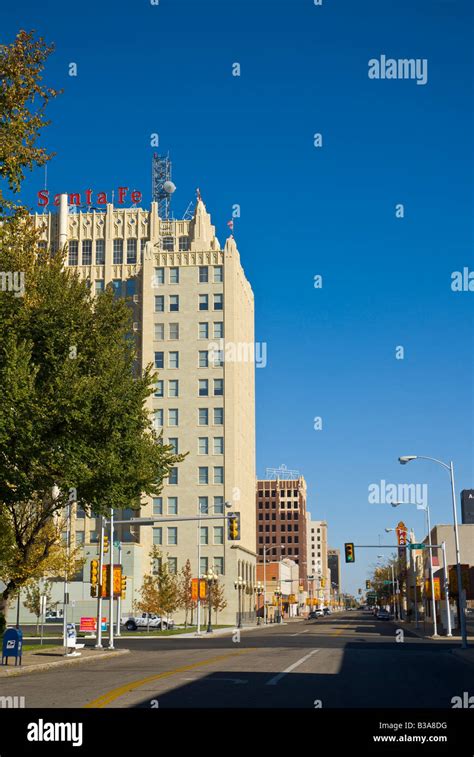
(159,593)
(218,601)
(74,411)
(186,601)
(32,601)
(23,100)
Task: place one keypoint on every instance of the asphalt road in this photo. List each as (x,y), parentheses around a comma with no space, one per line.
(346,660)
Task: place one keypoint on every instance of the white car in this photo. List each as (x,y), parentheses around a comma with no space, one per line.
(147,620)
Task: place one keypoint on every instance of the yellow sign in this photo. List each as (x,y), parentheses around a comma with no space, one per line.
(292,599)
(437,588)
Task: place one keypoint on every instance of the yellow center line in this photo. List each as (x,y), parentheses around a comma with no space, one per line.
(113,694)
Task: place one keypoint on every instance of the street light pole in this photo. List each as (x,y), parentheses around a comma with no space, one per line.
(462,618)
(111,581)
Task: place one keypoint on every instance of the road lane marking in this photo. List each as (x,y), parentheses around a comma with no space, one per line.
(113,694)
(299,633)
(274,681)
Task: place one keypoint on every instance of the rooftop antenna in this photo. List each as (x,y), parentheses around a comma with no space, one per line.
(161,185)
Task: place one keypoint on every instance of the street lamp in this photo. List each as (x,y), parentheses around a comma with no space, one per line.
(239,585)
(278,595)
(396,603)
(427,510)
(211,579)
(462,618)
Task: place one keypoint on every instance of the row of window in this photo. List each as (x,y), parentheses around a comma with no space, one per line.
(173,302)
(282,527)
(160,278)
(118,251)
(217,563)
(284,539)
(203,505)
(272,493)
(202,477)
(281,505)
(203,417)
(172,535)
(282,516)
(203,442)
(204,386)
(216,359)
(203,330)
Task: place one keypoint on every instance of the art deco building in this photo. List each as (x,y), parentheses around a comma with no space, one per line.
(190,300)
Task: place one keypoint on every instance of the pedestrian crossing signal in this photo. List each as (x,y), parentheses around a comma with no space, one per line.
(350,553)
(234,526)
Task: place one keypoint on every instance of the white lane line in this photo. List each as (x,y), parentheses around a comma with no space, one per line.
(299,633)
(274,681)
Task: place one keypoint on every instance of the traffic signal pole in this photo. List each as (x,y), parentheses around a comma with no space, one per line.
(99,587)
(119,599)
(111,581)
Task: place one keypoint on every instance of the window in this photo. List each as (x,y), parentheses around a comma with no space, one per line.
(159,303)
(172,505)
(218,387)
(183,244)
(168,244)
(158,277)
(203,274)
(203,359)
(173,476)
(203,563)
(157,536)
(173,388)
(203,445)
(218,416)
(218,274)
(159,388)
(218,329)
(158,419)
(203,505)
(131,251)
(99,251)
(218,445)
(203,302)
(203,475)
(73,252)
(80,512)
(174,331)
(87,252)
(159,359)
(159,332)
(94,537)
(157,505)
(219,566)
(99,286)
(204,535)
(218,535)
(218,474)
(203,387)
(118,251)
(174,303)
(203,331)
(203,416)
(173,417)
(173,360)
(157,564)
(173,442)
(172,565)
(218,302)
(130,287)
(218,505)
(172,535)
(174,275)
(217,358)
(142,245)
(117,287)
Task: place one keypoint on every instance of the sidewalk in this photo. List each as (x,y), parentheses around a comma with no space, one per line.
(53,657)
(425,631)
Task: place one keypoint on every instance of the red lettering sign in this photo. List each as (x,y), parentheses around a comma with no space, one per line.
(75,198)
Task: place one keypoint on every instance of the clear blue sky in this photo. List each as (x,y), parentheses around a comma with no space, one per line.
(305,211)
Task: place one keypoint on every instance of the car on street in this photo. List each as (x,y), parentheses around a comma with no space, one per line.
(383,615)
(315,614)
(326,610)
(146,620)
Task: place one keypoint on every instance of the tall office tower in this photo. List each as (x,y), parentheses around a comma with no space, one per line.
(318,558)
(281,522)
(193,317)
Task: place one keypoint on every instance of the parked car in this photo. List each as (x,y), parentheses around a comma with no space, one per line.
(326,610)
(146,620)
(383,615)
(315,614)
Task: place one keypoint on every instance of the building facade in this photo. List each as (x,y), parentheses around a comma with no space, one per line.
(334,565)
(193,319)
(281,522)
(317,539)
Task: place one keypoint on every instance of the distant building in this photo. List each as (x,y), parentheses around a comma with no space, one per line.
(317,539)
(334,565)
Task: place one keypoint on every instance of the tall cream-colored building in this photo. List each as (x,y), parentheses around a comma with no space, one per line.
(317,537)
(193,315)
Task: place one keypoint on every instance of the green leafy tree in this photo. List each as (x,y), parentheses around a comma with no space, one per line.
(218,600)
(186,601)
(159,593)
(32,600)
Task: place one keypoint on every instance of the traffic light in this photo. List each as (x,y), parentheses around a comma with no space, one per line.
(367,584)
(94,577)
(233,526)
(123,586)
(350,552)
(106,544)
(323,583)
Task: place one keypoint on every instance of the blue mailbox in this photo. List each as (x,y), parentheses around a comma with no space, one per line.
(12,645)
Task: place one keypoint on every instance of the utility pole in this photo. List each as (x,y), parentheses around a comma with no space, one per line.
(111,581)
(99,587)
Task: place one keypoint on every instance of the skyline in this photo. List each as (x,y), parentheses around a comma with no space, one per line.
(386,281)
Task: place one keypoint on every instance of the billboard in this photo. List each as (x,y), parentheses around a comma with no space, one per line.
(467,506)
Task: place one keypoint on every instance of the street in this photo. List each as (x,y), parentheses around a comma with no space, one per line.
(350,659)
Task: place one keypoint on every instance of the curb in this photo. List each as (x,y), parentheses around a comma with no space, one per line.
(18,671)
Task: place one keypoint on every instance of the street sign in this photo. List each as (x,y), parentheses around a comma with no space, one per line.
(402,532)
(117,581)
(416,546)
(198,593)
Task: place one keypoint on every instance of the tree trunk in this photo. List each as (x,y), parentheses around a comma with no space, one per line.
(5,599)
